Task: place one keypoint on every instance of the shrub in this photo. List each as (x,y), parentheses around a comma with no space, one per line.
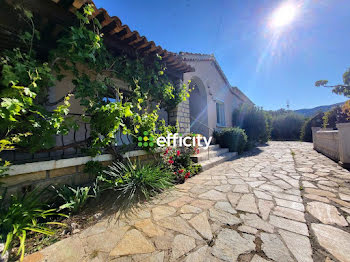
(306,131)
(287,126)
(179,162)
(74,199)
(22,215)
(254,122)
(94,168)
(233,138)
(334,116)
(346,110)
(136,182)
(194,169)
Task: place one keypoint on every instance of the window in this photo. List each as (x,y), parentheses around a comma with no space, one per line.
(220,113)
(110,99)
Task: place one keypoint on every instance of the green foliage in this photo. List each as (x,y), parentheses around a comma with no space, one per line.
(164,130)
(22,215)
(346,109)
(341,89)
(179,162)
(149,121)
(334,116)
(233,138)
(94,168)
(194,169)
(306,132)
(4,166)
(254,122)
(286,125)
(26,122)
(22,113)
(74,199)
(23,84)
(149,89)
(328,118)
(136,182)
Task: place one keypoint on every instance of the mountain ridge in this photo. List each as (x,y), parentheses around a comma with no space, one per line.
(313,111)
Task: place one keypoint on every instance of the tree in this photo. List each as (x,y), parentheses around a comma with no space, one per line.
(306,131)
(340,89)
(286,126)
(254,121)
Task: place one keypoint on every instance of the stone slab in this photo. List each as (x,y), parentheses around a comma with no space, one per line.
(334,240)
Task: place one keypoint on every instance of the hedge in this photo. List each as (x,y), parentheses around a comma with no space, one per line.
(233,138)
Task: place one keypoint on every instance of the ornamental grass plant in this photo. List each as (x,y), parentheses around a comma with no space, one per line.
(23,216)
(135,182)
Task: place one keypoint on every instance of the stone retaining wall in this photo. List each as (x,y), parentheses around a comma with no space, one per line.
(333,143)
(58,172)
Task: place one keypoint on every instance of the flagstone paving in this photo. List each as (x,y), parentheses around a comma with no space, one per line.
(281,202)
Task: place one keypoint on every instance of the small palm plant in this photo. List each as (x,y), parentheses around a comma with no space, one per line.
(136,182)
(74,199)
(22,215)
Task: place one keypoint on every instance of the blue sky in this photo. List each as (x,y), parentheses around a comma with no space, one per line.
(269,71)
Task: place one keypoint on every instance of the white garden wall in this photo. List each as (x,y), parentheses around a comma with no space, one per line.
(333,143)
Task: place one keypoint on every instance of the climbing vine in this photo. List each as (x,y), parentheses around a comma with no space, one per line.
(25,121)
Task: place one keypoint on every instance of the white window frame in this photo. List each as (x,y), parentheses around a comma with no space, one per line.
(220,113)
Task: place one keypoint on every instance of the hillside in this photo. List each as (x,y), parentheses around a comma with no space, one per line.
(312,111)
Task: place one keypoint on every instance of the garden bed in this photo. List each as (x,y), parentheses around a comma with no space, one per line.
(118,189)
(94,211)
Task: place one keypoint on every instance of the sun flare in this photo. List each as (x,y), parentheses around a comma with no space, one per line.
(284,15)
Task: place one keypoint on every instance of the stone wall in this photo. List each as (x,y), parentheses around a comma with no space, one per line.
(58,172)
(333,143)
(327,142)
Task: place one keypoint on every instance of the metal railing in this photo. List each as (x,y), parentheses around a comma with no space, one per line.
(205,127)
(66,146)
(73,144)
(201,124)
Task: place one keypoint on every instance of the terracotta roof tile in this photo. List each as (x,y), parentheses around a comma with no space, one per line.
(113,27)
(59,14)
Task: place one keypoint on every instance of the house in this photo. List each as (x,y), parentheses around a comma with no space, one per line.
(64,163)
(51,18)
(209,107)
(212,99)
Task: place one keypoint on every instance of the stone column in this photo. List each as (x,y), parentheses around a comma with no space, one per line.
(344,143)
(314,139)
(181,115)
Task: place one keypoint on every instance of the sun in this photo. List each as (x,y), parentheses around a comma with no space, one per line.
(284,15)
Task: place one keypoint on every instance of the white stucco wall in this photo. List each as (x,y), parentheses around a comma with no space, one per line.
(333,143)
(216,89)
(327,142)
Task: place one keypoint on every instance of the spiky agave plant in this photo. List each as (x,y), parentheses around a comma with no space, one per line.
(136,182)
(22,215)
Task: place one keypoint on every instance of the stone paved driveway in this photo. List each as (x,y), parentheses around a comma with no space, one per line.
(282,202)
